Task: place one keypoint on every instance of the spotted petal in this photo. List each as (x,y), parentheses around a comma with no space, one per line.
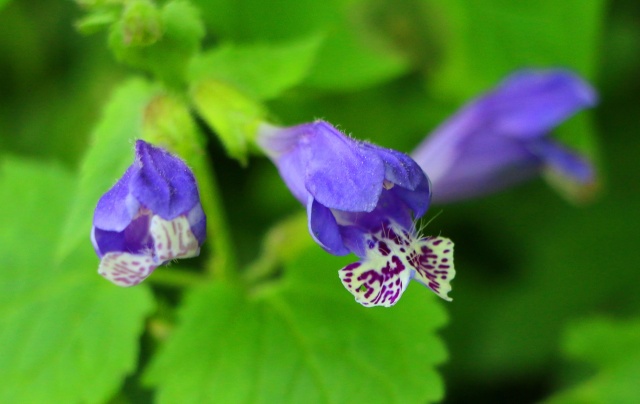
(126,269)
(395,255)
(435,267)
(377,282)
(384,274)
(173,238)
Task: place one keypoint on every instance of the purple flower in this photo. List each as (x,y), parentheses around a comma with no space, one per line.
(502,137)
(362,198)
(150,216)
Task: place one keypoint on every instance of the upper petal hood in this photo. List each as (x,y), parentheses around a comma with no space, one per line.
(341,174)
(117,207)
(163,184)
(316,159)
(348,186)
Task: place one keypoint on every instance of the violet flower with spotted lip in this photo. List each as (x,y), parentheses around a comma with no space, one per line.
(152,215)
(362,198)
(502,137)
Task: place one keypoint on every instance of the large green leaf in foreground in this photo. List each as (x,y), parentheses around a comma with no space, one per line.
(303,339)
(67,335)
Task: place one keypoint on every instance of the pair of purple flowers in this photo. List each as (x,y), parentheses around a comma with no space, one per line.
(359,197)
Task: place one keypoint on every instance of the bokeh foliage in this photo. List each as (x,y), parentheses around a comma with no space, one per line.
(279,327)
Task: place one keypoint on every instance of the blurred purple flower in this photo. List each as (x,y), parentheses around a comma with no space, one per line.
(502,137)
(362,198)
(150,216)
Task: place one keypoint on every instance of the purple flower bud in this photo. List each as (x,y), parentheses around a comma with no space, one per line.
(502,137)
(362,198)
(150,216)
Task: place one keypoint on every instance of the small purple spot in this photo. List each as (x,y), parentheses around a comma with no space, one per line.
(383,248)
(352,266)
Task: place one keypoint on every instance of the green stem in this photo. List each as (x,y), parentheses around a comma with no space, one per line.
(168,122)
(222,263)
(260,269)
(281,244)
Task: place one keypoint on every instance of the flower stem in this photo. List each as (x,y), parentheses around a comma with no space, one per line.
(221,263)
(168,122)
(262,268)
(223,260)
(282,243)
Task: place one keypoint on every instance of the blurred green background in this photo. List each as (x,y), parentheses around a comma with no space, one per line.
(531,265)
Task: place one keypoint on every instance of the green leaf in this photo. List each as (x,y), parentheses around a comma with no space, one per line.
(613,348)
(233,115)
(251,20)
(302,339)
(346,62)
(228,82)
(109,155)
(67,334)
(264,71)
(166,56)
(349,59)
(96,21)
